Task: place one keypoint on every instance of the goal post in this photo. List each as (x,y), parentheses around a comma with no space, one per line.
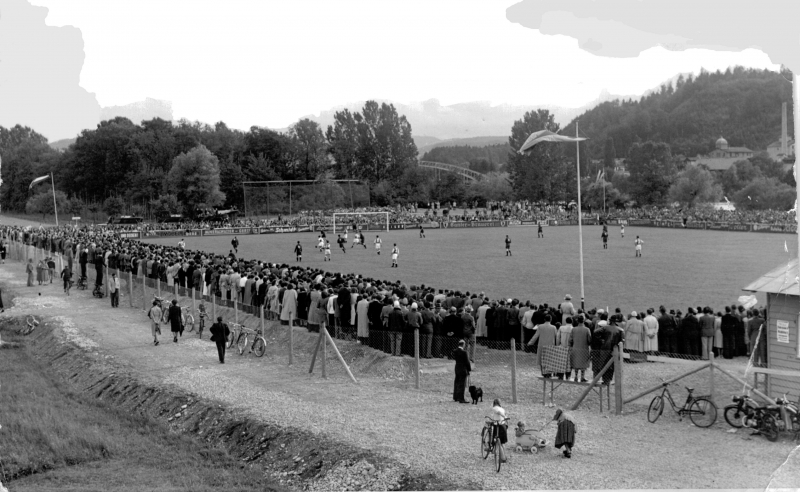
(360,221)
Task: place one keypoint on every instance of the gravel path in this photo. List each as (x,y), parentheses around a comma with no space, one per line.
(422,429)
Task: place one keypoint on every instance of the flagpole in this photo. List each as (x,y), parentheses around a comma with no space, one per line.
(55,207)
(580,222)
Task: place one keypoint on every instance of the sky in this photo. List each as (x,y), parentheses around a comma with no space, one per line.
(268,63)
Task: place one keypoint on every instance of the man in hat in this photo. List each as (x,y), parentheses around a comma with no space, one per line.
(462,370)
(567,309)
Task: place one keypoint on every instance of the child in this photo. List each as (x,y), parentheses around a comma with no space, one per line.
(51,266)
(499,414)
(520,429)
(202,315)
(66,274)
(565,436)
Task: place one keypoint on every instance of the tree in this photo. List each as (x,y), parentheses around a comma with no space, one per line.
(493,187)
(652,172)
(312,148)
(544,173)
(765,193)
(42,203)
(195,179)
(114,205)
(165,205)
(695,185)
(600,193)
(739,175)
(449,187)
(26,156)
(609,154)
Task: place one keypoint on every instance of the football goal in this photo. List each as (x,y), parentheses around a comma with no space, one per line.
(364,221)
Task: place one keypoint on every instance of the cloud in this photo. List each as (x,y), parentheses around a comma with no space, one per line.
(625,28)
(40,69)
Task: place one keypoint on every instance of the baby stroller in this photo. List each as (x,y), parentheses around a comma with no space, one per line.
(82,283)
(529,440)
(98,291)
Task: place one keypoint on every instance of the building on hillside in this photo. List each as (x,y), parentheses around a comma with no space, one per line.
(783,350)
(723,157)
(776,152)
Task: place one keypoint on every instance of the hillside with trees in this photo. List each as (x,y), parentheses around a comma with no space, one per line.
(742,105)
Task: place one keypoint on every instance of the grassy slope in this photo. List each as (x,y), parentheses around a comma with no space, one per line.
(679,267)
(63,440)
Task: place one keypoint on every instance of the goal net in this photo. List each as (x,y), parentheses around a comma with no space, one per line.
(268,199)
(359,221)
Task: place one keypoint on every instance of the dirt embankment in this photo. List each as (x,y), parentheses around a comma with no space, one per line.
(295,458)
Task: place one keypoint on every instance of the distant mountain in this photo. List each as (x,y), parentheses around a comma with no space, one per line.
(62,144)
(138,111)
(465,120)
(423,141)
(458,142)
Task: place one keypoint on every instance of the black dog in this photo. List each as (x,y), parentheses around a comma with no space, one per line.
(476,394)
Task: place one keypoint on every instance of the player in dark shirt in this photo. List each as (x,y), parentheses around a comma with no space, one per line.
(298,251)
(508,246)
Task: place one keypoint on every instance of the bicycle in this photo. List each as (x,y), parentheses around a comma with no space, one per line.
(259,345)
(31,323)
(701,411)
(236,330)
(201,325)
(490,441)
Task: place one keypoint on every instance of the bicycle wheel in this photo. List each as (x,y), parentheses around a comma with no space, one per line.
(769,428)
(190,322)
(486,442)
(241,345)
(703,412)
(497,461)
(232,338)
(733,416)
(259,346)
(656,408)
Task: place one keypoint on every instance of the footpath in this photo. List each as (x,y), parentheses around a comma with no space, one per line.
(378,434)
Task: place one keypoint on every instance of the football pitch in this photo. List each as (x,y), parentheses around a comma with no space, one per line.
(679,268)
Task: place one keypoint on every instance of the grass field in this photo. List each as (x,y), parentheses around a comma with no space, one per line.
(679,268)
(54,438)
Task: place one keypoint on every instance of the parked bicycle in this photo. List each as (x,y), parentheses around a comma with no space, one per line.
(259,345)
(201,318)
(490,441)
(701,411)
(236,330)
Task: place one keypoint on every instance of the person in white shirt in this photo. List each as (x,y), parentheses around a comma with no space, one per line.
(378,244)
(395,252)
(182,244)
(567,309)
(499,415)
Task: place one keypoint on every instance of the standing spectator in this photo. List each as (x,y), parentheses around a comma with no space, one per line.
(113,290)
(41,272)
(546,336)
(468,332)
(426,331)
(155,316)
(362,320)
(413,319)
(567,309)
(29,270)
(176,320)
(453,327)
(634,333)
(580,341)
(650,332)
(728,327)
(742,340)
(718,335)
(707,332)
(668,328)
(66,274)
(289,307)
(219,335)
(565,435)
(690,333)
(397,325)
(462,370)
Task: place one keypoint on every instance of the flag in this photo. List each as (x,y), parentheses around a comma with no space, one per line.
(39,180)
(545,136)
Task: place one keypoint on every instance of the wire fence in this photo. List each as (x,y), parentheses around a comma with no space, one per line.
(523,369)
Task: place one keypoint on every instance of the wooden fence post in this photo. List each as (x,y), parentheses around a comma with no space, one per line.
(513,371)
(711,375)
(618,363)
(235,311)
(158,287)
(291,339)
(261,308)
(213,308)
(416,358)
(144,293)
(324,334)
(194,301)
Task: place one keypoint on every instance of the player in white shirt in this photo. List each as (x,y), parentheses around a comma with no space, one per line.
(356,240)
(638,243)
(320,243)
(395,252)
(622,230)
(182,244)
(378,244)
(327,251)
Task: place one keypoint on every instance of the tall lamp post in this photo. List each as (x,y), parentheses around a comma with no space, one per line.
(548,136)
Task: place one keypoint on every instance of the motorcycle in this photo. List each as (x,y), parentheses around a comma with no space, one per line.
(746,412)
(786,416)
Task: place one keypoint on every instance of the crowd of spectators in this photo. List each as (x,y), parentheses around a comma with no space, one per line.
(379,312)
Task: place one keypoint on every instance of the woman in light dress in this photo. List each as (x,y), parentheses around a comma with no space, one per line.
(634,333)
(718,335)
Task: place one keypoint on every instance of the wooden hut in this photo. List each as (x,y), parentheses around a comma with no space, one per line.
(782,287)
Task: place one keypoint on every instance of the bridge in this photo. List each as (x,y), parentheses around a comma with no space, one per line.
(467,174)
